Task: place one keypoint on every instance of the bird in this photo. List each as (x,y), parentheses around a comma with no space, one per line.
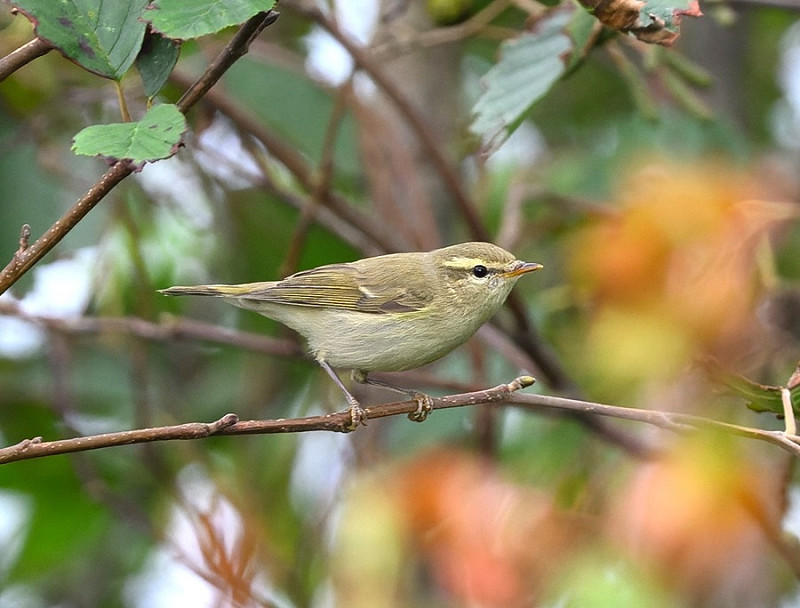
(390,312)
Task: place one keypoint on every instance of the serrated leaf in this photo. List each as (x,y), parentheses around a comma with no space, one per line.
(102,37)
(653,21)
(183,19)
(529,65)
(761,397)
(154,137)
(156,60)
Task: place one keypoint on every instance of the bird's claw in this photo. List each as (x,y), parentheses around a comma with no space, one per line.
(424,407)
(357,417)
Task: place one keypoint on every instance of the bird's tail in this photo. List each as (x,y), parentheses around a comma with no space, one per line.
(220,291)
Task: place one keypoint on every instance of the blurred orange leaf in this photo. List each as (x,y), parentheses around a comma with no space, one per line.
(697,515)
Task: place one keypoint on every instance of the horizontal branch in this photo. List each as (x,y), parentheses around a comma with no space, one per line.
(504,394)
(676,422)
(230,424)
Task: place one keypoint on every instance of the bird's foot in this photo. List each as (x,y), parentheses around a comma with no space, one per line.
(424,407)
(357,417)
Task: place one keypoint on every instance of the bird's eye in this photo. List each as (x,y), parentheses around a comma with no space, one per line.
(480,271)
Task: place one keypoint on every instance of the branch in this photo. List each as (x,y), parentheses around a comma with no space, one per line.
(171,328)
(24,260)
(504,394)
(678,423)
(234,50)
(525,333)
(230,424)
(473,26)
(23,56)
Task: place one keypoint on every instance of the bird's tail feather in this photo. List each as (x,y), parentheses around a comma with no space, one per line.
(209,290)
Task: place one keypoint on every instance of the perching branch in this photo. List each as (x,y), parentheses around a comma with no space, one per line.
(230,424)
(24,260)
(504,394)
(675,422)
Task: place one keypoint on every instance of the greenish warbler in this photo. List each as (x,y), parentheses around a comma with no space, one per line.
(387,313)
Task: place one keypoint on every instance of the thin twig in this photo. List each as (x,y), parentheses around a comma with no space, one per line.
(22,262)
(676,422)
(504,394)
(230,424)
(171,328)
(237,47)
(526,336)
(23,56)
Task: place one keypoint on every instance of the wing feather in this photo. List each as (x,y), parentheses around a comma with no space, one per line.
(342,286)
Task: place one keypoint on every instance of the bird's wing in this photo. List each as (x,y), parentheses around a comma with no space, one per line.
(342,286)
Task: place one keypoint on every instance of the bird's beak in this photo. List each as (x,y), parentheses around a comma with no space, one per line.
(521,268)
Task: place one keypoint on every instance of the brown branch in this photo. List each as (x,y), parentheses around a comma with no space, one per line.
(529,340)
(504,394)
(172,328)
(23,261)
(676,422)
(235,49)
(23,56)
(322,214)
(230,424)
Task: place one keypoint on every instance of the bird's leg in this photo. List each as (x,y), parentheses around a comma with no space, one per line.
(424,402)
(357,414)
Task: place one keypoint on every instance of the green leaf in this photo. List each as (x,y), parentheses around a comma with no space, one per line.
(653,21)
(155,137)
(156,60)
(190,19)
(529,65)
(761,397)
(102,37)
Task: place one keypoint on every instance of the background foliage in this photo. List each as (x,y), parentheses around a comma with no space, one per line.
(658,186)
